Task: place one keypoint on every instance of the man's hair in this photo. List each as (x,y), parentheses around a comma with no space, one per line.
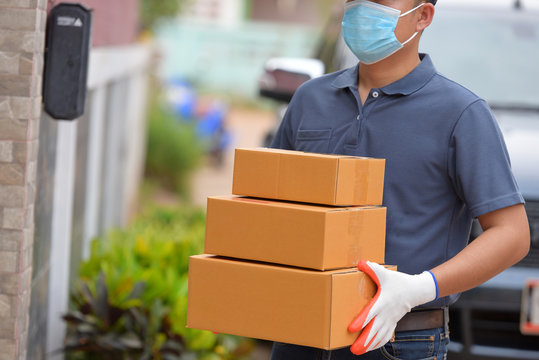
(433,2)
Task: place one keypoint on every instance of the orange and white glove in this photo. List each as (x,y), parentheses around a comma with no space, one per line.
(397,294)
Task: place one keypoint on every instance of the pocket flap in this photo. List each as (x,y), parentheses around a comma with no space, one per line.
(323,134)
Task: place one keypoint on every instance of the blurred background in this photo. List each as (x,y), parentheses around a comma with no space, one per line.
(99,215)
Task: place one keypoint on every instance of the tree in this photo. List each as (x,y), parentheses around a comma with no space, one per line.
(152,10)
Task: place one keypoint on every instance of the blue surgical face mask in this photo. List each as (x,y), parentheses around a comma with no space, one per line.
(368,29)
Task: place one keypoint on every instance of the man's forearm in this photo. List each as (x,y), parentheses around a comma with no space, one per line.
(505,240)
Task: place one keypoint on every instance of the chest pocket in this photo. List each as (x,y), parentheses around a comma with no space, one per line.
(313,140)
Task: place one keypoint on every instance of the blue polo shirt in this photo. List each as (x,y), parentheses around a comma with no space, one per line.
(446,160)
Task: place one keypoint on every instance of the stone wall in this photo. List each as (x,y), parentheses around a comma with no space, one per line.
(22,33)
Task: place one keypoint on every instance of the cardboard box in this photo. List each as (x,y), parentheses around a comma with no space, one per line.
(307,177)
(276,303)
(304,235)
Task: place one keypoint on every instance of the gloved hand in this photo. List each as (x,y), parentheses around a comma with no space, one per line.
(397,294)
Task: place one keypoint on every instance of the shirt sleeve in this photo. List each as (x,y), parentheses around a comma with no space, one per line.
(479,164)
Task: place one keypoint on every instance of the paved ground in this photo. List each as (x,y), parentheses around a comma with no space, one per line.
(247,127)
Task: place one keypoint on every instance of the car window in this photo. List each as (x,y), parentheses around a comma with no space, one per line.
(492,53)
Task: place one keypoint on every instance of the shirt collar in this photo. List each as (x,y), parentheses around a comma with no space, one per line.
(409,84)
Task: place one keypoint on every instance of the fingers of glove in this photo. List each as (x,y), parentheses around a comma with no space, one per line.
(381,272)
(378,307)
(381,331)
(382,337)
(359,322)
(359,347)
(374,330)
(366,314)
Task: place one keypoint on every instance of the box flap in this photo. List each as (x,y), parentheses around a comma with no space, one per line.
(297,152)
(288,204)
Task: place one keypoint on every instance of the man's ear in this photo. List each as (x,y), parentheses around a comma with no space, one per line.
(426,14)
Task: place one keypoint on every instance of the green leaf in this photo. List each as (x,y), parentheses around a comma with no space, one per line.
(86,293)
(137,291)
(101,302)
(74,317)
(131,341)
(202,340)
(86,329)
(211,356)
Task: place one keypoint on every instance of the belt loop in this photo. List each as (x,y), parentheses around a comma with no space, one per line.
(446,320)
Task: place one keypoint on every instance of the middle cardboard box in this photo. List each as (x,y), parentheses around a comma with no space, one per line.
(296,234)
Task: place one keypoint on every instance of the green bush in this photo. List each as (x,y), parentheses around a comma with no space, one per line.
(173,150)
(131,300)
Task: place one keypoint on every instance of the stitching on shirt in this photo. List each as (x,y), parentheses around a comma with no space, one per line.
(492,201)
(460,86)
(451,134)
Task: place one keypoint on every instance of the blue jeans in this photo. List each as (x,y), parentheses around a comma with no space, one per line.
(408,345)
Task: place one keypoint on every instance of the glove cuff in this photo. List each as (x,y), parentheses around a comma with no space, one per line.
(435,284)
(428,288)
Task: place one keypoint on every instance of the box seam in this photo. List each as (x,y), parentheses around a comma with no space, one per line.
(279,173)
(337,178)
(330,327)
(324,243)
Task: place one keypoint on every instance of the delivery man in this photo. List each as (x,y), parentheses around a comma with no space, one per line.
(446,164)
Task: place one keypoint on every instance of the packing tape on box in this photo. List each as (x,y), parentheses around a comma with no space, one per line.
(361,186)
(356,222)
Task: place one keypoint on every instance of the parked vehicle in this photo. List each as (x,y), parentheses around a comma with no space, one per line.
(493,51)
(281,78)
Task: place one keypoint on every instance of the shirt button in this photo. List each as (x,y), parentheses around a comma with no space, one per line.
(358,117)
(375,94)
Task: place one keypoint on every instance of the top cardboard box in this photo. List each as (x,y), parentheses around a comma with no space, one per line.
(336,180)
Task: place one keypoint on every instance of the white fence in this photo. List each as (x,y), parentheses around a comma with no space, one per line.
(99,165)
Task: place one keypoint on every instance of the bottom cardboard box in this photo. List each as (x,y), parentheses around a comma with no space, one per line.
(277,303)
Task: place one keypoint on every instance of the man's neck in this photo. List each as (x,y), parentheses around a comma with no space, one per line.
(385,72)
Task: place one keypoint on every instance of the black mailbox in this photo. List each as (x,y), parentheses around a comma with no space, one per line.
(66,60)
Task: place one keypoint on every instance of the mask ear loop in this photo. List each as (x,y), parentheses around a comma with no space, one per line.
(410,39)
(410,11)
(406,13)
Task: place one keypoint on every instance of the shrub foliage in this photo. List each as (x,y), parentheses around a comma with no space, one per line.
(131,298)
